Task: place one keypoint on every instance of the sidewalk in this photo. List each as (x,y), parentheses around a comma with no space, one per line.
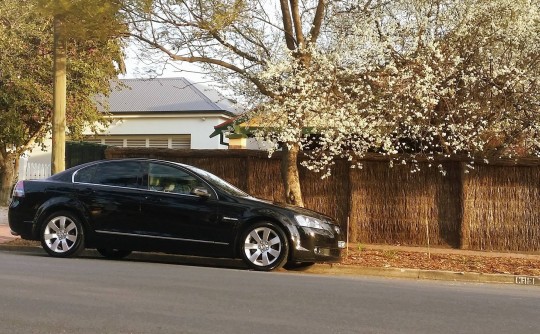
(5,233)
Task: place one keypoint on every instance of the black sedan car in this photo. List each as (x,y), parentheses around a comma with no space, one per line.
(118,206)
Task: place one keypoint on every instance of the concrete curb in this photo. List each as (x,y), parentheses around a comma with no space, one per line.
(318,269)
(423,274)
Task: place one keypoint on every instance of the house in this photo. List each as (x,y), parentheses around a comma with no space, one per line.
(169,113)
(160,112)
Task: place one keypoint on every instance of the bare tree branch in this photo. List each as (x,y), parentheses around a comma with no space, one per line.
(234,49)
(206,60)
(317,22)
(287,25)
(297,21)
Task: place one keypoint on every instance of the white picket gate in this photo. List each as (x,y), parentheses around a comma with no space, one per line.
(30,171)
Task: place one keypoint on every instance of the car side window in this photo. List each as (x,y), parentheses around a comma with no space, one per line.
(170,179)
(86,175)
(120,174)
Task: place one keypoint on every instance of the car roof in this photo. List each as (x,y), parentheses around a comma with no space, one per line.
(71,170)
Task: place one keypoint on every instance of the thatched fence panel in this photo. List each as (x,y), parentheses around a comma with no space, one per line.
(393,205)
(329,195)
(502,208)
(490,208)
(264,180)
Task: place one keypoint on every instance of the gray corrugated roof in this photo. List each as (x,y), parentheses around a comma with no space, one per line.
(166,95)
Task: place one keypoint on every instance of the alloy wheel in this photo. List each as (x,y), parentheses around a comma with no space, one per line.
(263,246)
(60,234)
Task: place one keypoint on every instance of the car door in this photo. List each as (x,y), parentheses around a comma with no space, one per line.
(172,213)
(111,193)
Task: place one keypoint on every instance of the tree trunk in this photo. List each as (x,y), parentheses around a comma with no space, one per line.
(290,175)
(58,162)
(8,168)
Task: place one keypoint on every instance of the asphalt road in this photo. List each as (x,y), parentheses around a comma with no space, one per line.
(40,294)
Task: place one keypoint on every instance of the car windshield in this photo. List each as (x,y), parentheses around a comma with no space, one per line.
(219,182)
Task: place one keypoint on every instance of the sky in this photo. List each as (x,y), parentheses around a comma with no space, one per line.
(137,68)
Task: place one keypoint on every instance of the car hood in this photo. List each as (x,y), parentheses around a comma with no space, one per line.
(292,208)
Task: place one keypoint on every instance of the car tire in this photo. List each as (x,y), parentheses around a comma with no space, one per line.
(114,254)
(62,235)
(264,246)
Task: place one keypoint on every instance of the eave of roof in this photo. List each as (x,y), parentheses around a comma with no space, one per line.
(179,112)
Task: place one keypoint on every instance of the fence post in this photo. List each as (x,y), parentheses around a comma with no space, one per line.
(23,165)
(464,233)
(352,228)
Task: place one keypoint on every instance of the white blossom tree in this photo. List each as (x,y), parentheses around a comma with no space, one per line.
(457,76)
(337,79)
(419,78)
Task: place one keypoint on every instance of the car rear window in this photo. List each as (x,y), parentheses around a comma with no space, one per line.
(120,174)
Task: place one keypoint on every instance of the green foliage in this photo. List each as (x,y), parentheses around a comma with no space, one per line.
(24,58)
(26,81)
(219,14)
(86,19)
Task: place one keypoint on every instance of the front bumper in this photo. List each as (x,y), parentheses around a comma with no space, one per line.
(314,245)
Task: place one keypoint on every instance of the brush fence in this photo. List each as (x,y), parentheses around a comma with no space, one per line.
(491,207)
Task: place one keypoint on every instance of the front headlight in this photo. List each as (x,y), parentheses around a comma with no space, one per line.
(311,222)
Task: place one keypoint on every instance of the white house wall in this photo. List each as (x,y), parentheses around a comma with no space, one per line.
(39,156)
(199,128)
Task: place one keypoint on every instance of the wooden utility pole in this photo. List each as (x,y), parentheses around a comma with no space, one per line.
(58,160)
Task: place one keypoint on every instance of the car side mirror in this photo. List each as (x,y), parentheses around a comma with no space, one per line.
(201,192)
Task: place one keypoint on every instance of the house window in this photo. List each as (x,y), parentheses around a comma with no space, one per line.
(159,142)
(114,142)
(136,142)
(181,142)
(163,141)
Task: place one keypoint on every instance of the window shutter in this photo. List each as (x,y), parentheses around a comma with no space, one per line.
(136,142)
(118,142)
(181,142)
(158,142)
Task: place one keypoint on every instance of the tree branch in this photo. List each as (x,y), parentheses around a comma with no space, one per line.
(317,22)
(252,41)
(297,20)
(287,25)
(234,49)
(207,60)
